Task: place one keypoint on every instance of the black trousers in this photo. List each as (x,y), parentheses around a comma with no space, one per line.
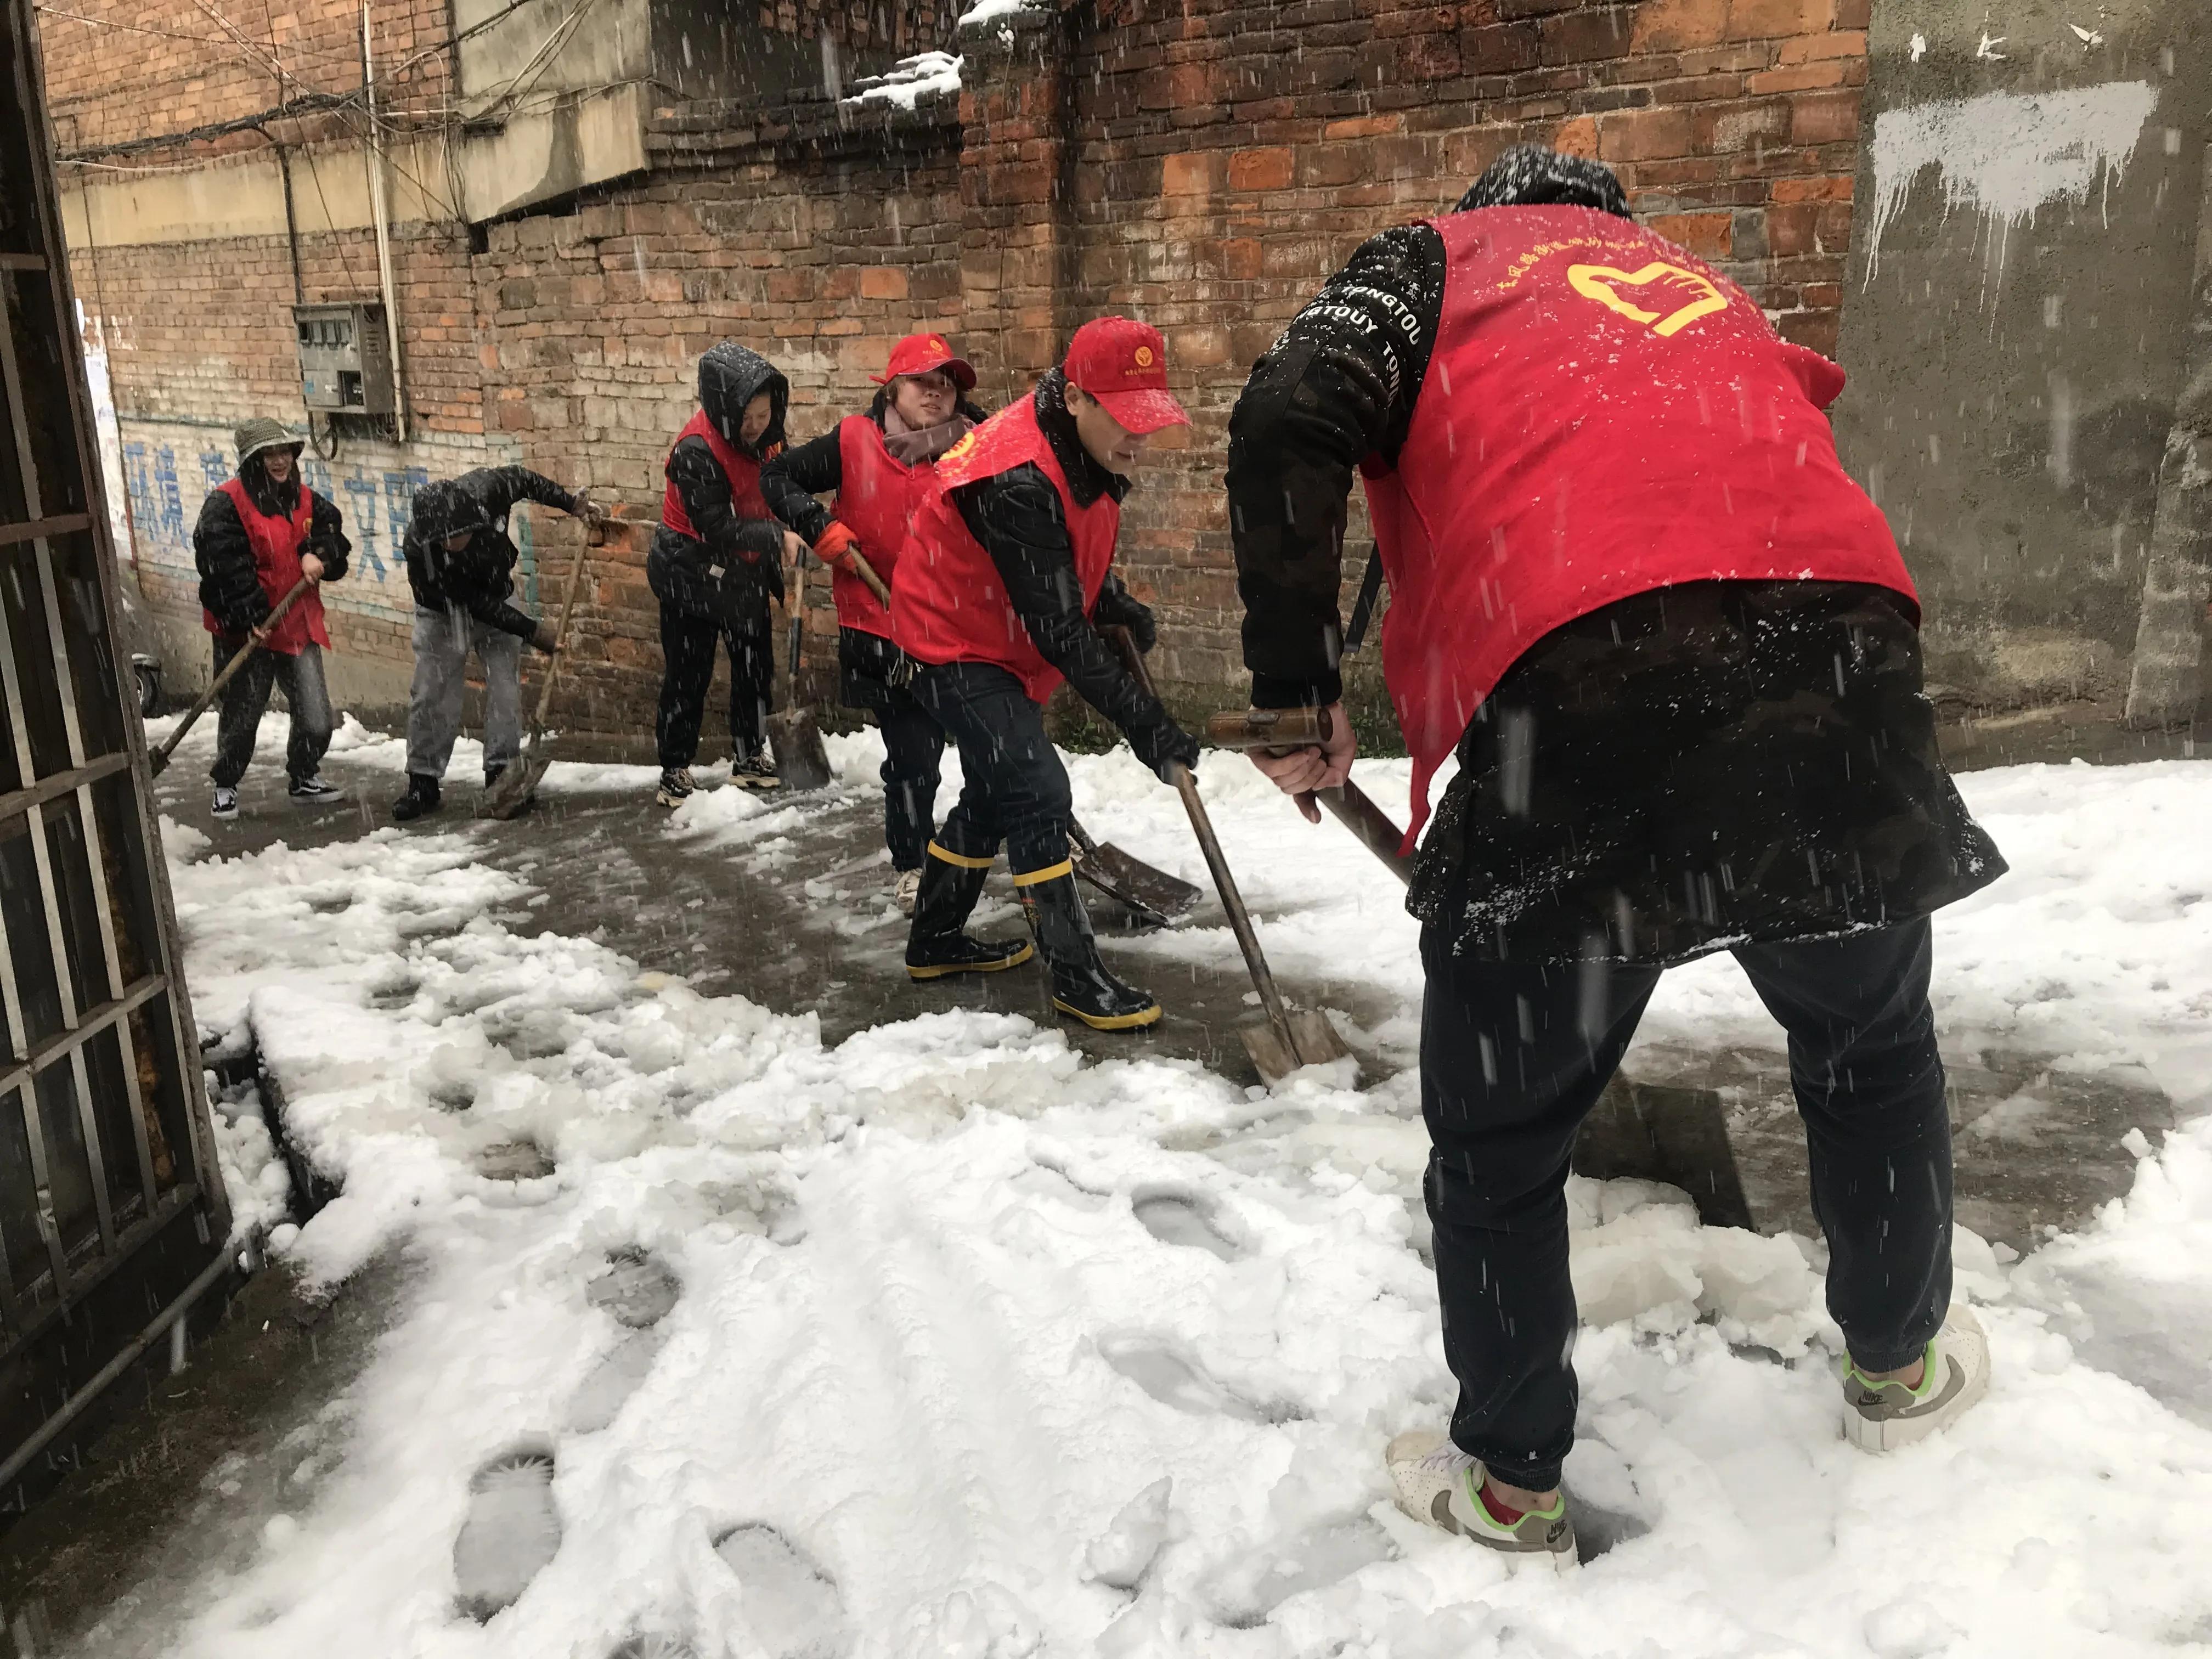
(913,743)
(1514,1055)
(687,649)
(1015,789)
(239,708)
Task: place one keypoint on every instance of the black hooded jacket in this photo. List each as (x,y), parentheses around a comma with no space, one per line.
(230,588)
(679,567)
(1017,516)
(480,578)
(1703,765)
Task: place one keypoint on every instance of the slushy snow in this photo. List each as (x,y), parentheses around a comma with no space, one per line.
(948,1340)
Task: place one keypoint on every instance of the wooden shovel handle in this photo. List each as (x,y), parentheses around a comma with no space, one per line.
(160,757)
(1224,883)
(866,573)
(560,637)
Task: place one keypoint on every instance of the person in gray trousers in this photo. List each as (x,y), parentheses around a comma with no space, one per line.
(461,565)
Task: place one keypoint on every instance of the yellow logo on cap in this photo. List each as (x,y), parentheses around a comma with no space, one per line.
(1144,356)
(936,344)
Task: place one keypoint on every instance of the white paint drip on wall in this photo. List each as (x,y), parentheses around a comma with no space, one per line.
(2008,154)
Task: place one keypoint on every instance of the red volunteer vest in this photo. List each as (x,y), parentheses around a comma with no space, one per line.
(742,471)
(1603,414)
(276,542)
(947,603)
(876,500)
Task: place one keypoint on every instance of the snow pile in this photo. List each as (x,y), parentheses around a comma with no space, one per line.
(991,11)
(929,74)
(947,1340)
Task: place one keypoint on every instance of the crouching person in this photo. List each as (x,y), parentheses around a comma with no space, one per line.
(460,564)
(1000,593)
(259,534)
(880,464)
(717,560)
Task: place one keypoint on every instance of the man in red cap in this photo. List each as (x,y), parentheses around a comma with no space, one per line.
(880,464)
(1001,589)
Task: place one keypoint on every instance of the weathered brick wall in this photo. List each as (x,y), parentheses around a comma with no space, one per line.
(155,68)
(593,322)
(1204,168)
(1222,163)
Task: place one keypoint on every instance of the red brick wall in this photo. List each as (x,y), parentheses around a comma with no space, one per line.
(151,68)
(1204,167)
(1222,162)
(593,323)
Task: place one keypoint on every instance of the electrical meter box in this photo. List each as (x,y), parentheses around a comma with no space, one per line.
(345,358)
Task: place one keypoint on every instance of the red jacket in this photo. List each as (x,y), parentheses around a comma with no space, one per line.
(742,471)
(948,604)
(877,499)
(276,541)
(1603,414)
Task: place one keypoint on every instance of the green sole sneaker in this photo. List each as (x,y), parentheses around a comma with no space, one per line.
(1437,1484)
(1880,1417)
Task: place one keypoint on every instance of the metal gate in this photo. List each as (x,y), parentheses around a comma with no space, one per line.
(111,1214)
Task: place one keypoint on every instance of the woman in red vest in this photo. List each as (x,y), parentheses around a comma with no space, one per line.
(880,464)
(715,563)
(1676,654)
(1001,592)
(258,535)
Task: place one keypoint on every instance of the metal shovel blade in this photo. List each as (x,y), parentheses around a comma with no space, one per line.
(512,792)
(1151,894)
(800,760)
(1317,1043)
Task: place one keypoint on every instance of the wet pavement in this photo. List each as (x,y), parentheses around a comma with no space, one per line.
(801,919)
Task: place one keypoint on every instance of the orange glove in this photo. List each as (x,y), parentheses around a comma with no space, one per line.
(834,542)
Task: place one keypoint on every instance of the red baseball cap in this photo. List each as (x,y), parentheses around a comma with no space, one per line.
(1124,364)
(925,354)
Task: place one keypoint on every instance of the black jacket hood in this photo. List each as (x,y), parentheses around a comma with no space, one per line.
(730,377)
(1527,176)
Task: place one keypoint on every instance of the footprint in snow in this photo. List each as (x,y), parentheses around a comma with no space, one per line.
(635,1288)
(1175,1380)
(654,1647)
(790,1603)
(601,1395)
(511,1532)
(514,1160)
(1183,1219)
(1120,1556)
(1244,1593)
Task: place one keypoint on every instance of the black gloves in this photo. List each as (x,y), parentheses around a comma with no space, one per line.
(1163,745)
(1117,607)
(545,636)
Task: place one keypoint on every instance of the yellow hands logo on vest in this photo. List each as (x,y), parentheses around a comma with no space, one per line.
(960,450)
(1682,296)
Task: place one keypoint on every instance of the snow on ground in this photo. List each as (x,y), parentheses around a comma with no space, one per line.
(947,1341)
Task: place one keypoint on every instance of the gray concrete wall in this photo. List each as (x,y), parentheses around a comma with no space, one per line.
(2024,246)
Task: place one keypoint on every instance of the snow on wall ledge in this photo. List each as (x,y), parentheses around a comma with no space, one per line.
(925,73)
(2007,155)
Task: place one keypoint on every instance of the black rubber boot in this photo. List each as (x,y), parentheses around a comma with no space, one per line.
(939,944)
(420,800)
(1081,983)
(492,773)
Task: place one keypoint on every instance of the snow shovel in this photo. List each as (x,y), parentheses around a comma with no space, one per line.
(1155,898)
(516,785)
(800,760)
(1281,730)
(1290,1039)
(157,760)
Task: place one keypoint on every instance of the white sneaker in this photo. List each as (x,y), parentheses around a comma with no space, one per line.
(1437,1484)
(906,890)
(226,804)
(1879,1417)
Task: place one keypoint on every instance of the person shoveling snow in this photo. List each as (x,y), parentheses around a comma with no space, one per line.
(1675,651)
